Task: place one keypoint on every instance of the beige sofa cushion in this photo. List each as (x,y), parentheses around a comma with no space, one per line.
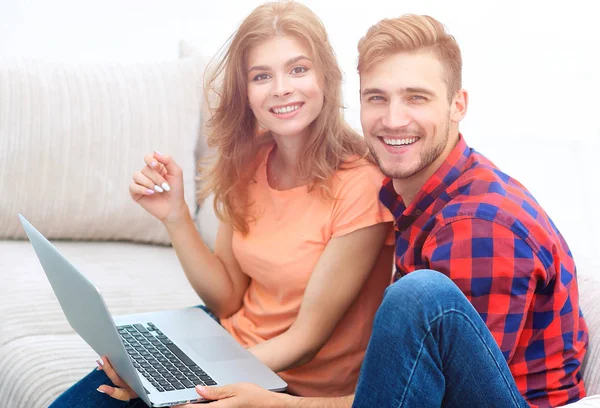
(71,137)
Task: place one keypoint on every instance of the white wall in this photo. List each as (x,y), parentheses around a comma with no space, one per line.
(532,70)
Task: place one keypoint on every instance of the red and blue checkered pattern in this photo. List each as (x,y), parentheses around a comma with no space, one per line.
(485,231)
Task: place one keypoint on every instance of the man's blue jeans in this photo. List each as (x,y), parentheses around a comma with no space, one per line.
(430,348)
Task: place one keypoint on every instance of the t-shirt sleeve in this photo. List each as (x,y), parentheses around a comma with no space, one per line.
(356,201)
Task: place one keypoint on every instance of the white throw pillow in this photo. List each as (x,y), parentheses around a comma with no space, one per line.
(71,137)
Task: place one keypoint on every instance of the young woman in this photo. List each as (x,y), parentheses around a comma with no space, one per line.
(299,265)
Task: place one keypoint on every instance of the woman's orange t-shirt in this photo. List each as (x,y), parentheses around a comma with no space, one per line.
(285,241)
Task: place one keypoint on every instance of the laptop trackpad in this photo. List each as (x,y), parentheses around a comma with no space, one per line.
(218,348)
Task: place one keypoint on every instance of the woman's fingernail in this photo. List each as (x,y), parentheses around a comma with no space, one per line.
(100,361)
(157,152)
(166,186)
(157,188)
(148,191)
(153,164)
(99,390)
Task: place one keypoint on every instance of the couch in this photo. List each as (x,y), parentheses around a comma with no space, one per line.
(70,138)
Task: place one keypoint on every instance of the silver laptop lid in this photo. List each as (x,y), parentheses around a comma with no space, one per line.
(92,322)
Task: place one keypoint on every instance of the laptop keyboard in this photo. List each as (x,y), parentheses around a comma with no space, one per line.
(160,361)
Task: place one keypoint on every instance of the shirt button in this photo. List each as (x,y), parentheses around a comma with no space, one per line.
(397,275)
(418,212)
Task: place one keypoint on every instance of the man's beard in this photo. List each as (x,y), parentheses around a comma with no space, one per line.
(427,155)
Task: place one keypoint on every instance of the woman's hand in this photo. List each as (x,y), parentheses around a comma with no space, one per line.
(241,396)
(122,391)
(158,188)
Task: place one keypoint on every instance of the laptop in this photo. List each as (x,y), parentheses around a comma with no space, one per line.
(161,355)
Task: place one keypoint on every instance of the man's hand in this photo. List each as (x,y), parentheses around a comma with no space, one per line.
(240,395)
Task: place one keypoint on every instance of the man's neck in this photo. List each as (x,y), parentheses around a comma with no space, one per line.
(408,188)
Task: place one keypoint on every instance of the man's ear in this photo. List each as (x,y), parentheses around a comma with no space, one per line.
(458,108)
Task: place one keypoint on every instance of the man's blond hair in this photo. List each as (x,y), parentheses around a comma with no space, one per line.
(412,33)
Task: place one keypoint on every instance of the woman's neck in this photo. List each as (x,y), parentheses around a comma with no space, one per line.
(287,151)
(283,162)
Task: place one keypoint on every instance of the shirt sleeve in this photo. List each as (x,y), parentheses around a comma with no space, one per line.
(356,201)
(496,270)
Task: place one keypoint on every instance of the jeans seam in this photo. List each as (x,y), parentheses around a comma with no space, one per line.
(470,322)
(412,372)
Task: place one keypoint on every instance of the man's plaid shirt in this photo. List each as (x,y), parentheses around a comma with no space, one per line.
(487,233)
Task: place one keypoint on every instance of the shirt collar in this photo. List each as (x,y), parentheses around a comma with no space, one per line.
(434,187)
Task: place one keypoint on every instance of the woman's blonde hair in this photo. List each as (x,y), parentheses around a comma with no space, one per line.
(233,130)
(412,33)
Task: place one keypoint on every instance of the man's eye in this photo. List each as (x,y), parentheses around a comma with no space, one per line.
(260,77)
(376,98)
(299,70)
(417,98)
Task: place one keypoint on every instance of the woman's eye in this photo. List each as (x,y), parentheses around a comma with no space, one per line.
(261,77)
(299,70)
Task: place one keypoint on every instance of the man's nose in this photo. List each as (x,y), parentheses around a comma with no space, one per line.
(396,115)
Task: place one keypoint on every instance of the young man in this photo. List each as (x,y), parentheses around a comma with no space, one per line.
(485,308)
